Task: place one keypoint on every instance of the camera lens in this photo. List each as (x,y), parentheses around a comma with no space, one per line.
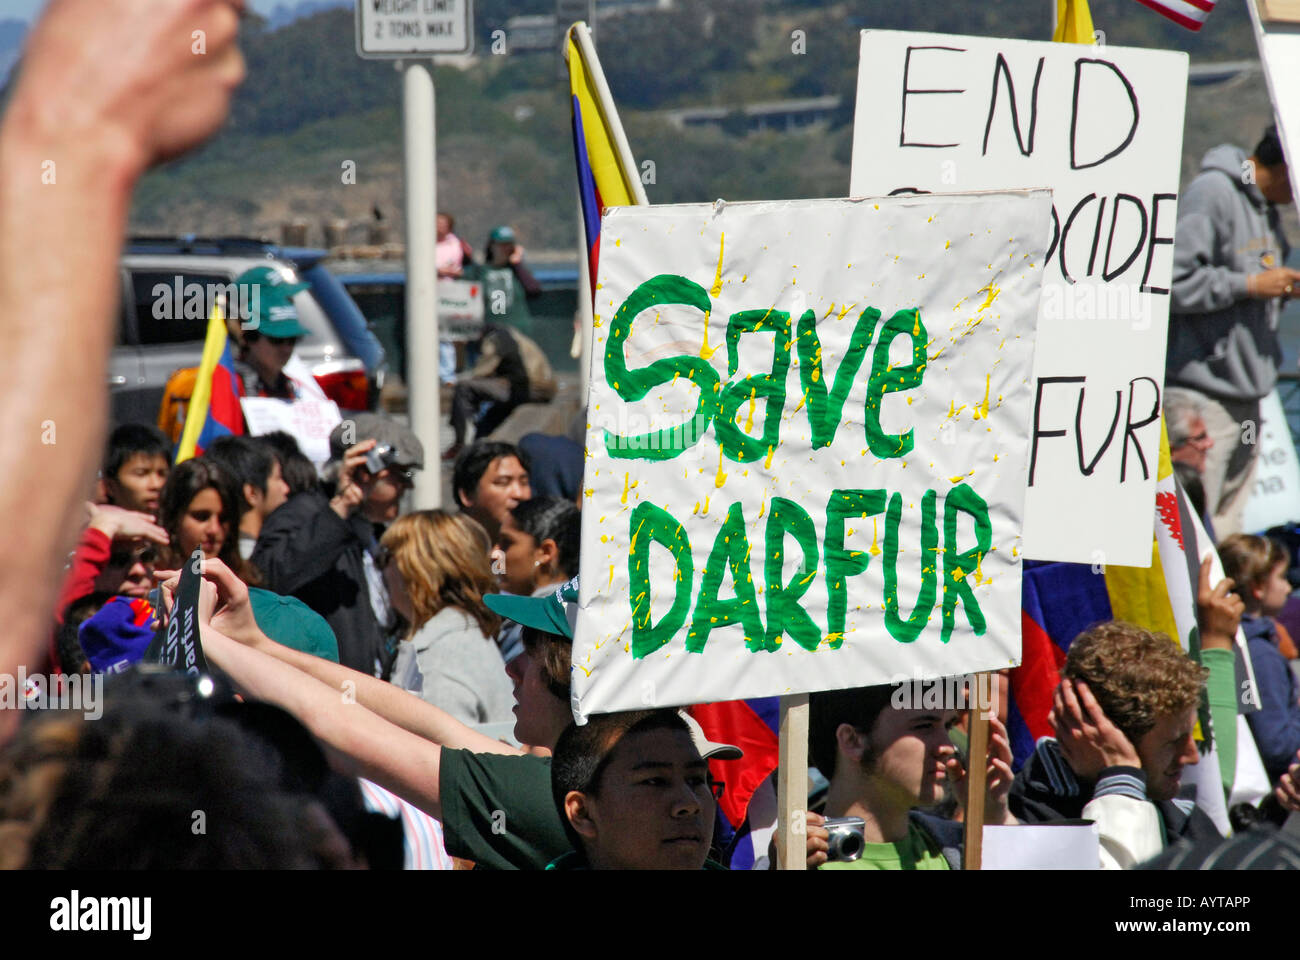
(850,847)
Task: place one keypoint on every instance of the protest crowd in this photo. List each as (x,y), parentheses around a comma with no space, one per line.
(384,687)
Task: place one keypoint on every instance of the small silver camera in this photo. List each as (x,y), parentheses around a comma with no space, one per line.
(379,457)
(847,838)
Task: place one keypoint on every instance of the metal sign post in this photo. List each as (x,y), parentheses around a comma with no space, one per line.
(399,29)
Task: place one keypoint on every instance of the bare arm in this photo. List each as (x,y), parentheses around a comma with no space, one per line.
(234,618)
(359,741)
(106,90)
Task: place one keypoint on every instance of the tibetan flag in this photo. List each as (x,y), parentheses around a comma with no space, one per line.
(1073,22)
(606,172)
(751,725)
(1061,600)
(1186,13)
(214,409)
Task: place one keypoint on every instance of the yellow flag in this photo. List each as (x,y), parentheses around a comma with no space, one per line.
(1073,22)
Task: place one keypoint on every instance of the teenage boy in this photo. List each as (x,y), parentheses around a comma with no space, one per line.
(136,463)
(1124,716)
(882,762)
(633,793)
(256,468)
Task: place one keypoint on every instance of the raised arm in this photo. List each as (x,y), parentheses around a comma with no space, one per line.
(106,89)
(358,741)
(234,618)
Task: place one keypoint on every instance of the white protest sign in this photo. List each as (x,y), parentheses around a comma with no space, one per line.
(1042,846)
(807,442)
(460,309)
(1103,127)
(307,420)
(1275,497)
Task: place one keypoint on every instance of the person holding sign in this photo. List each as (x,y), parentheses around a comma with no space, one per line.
(1228,286)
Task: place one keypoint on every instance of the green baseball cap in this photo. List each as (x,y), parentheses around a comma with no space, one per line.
(269,298)
(501,234)
(554,613)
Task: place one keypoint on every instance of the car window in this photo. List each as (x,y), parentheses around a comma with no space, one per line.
(311,316)
(173,307)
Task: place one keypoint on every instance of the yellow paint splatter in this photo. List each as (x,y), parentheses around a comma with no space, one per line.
(611,574)
(749,421)
(716,289)
(721,478)
(875,550)
(992,290)
(982,411)
(767,463)
(623,499)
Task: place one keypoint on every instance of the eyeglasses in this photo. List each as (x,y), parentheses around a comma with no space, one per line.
(129,558)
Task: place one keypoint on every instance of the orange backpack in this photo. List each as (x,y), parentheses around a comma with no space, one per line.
(176,401)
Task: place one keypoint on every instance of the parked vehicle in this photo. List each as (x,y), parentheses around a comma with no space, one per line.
(379,289)
(341,351)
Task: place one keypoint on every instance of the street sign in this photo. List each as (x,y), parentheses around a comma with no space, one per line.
(392,29)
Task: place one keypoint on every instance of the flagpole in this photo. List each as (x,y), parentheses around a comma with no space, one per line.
(605,102)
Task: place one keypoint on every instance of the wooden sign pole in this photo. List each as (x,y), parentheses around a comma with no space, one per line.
(976,764)
(792,784)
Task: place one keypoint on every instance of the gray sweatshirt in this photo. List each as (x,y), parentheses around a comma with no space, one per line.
(1221,342)
(452,665)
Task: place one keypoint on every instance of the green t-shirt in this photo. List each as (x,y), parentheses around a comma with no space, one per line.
(497,810)
(916,851)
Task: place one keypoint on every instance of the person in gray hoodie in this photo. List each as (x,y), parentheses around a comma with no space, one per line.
(1228,286)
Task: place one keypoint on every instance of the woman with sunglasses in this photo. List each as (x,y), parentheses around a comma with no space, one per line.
(436,569)
(266,331)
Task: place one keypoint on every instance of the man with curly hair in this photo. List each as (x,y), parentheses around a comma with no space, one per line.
(1124,715)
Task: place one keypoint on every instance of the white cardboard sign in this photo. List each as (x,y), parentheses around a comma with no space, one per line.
(1103,127)
(807,443)
(1275,497)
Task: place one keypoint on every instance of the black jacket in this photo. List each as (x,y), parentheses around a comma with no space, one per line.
(307,551)
(1046,789)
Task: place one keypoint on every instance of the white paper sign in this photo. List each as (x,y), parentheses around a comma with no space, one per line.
(1275,497)
(460,309)
(807,442)
(1103,127)
(309,421)
(1042,846)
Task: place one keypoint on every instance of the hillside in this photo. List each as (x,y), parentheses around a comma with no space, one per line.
(504,145)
